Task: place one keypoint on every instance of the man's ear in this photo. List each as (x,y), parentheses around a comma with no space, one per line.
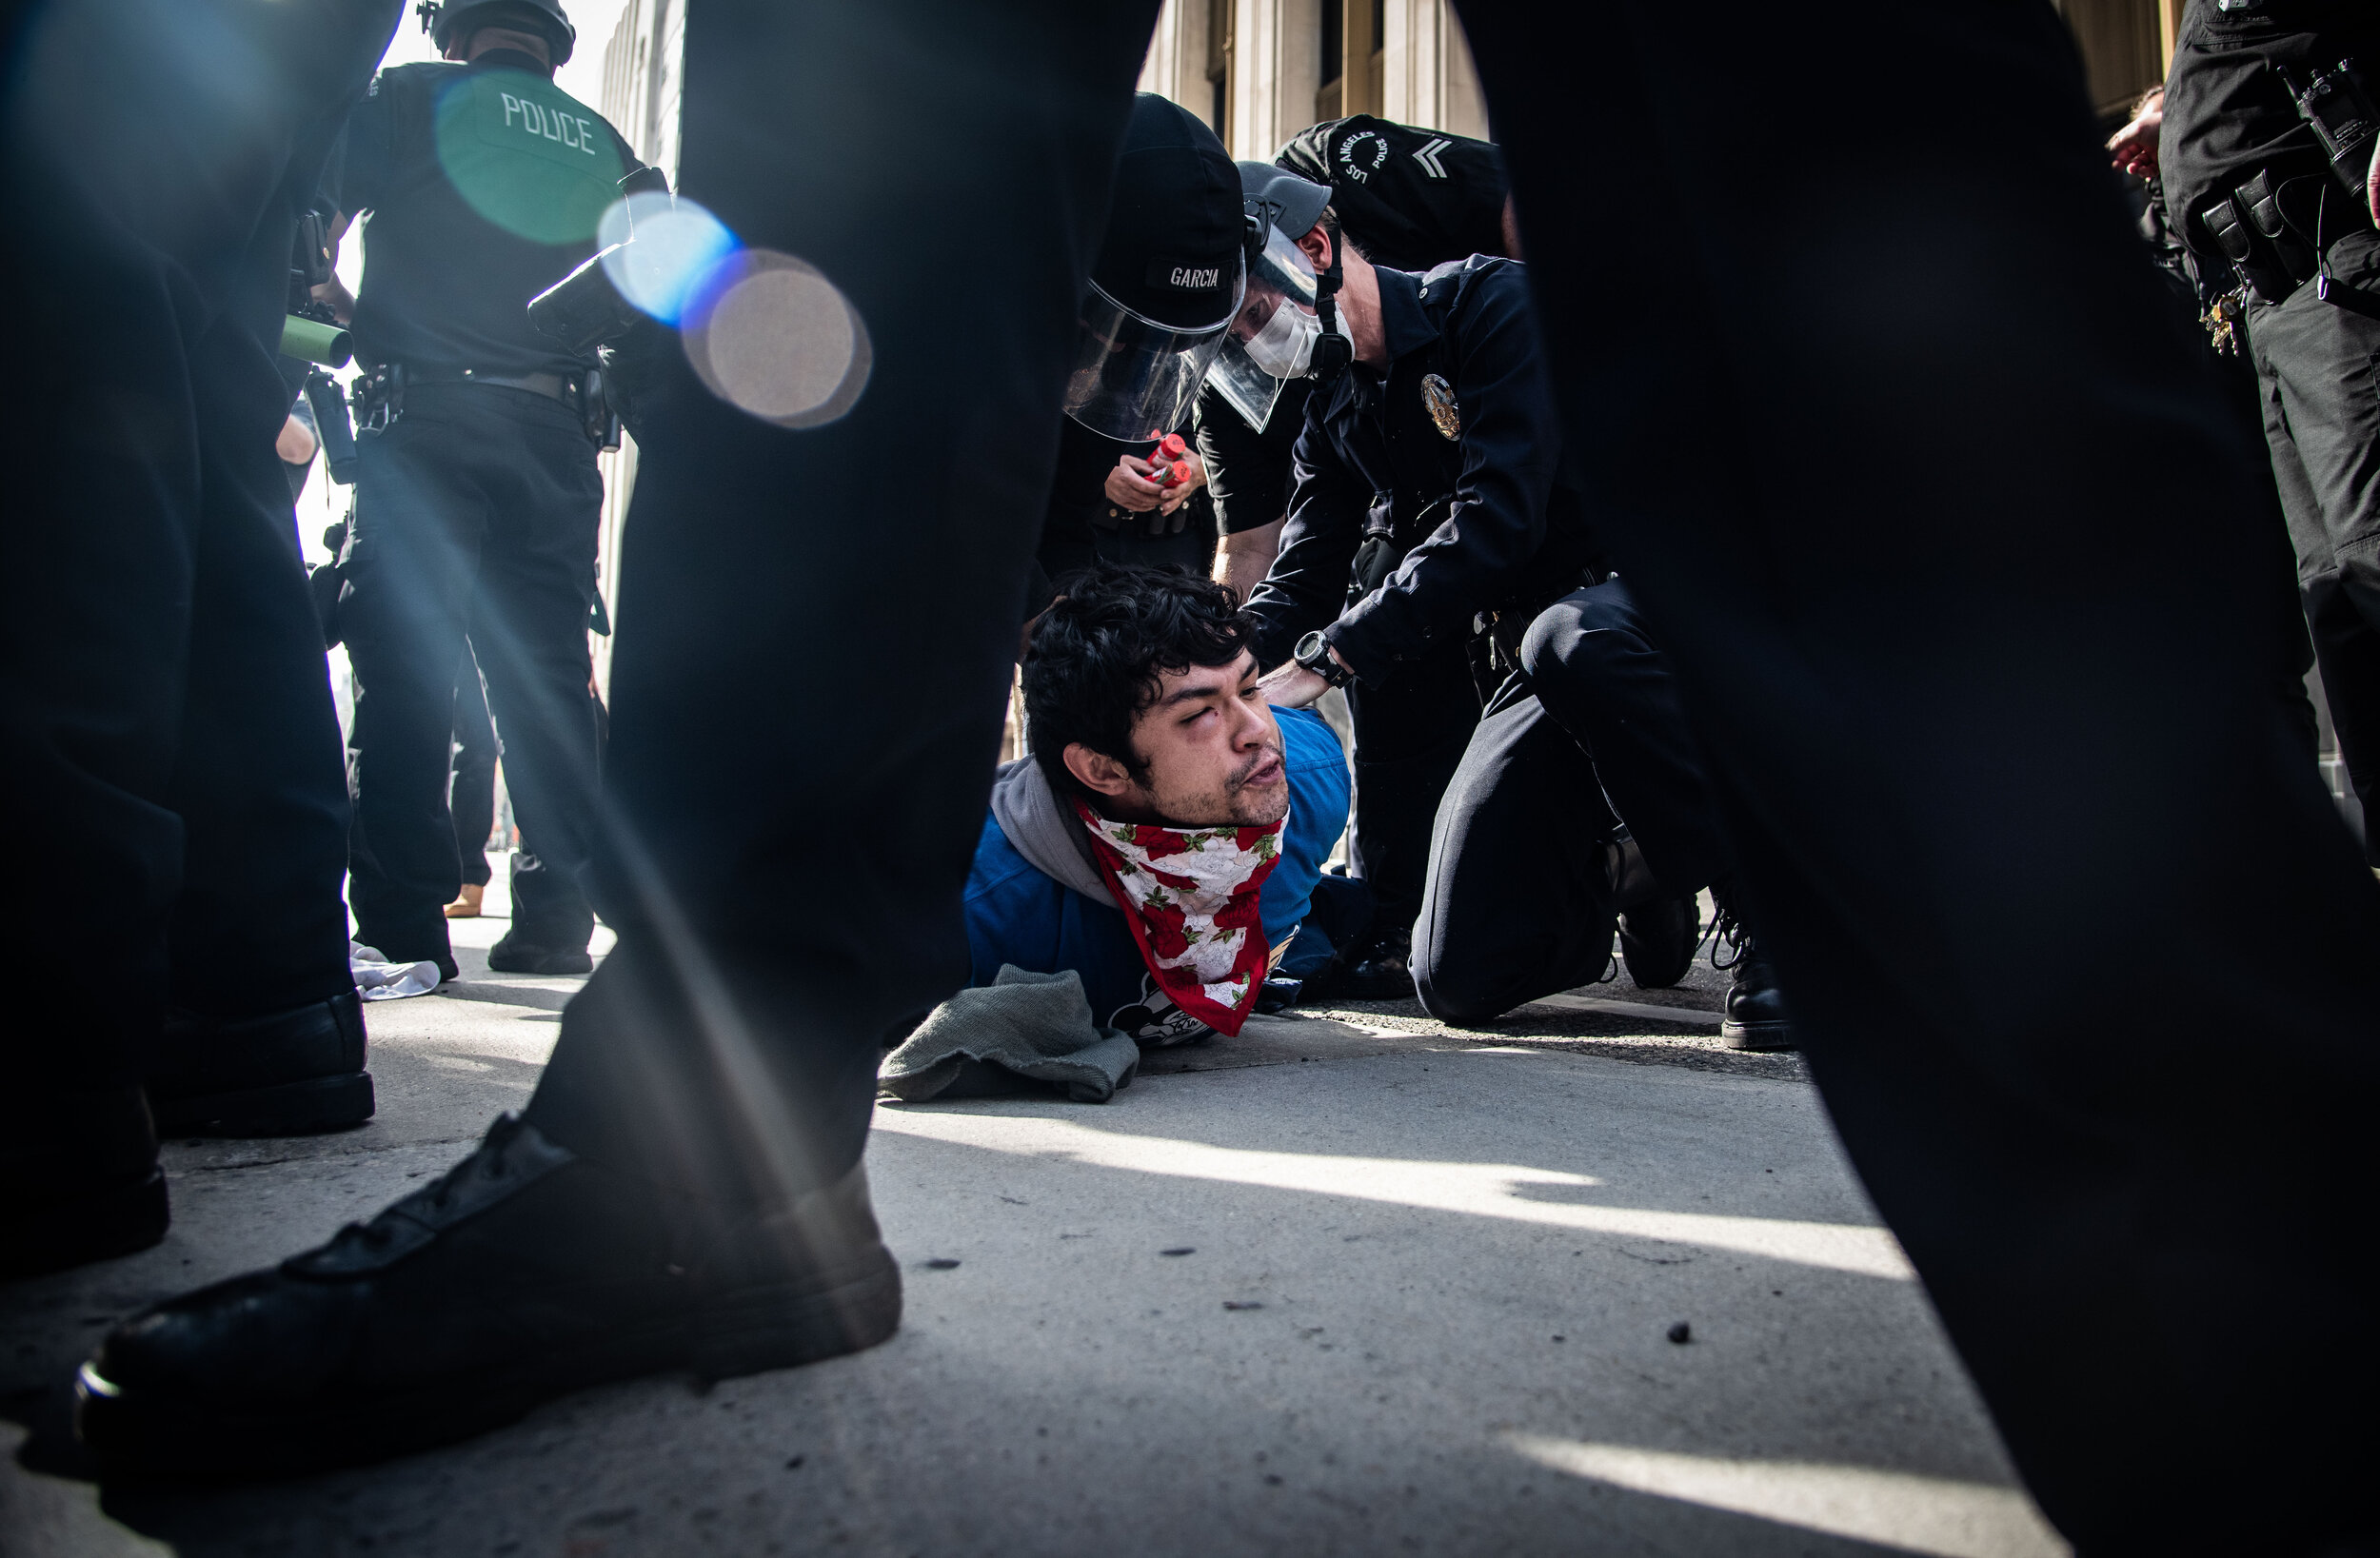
(1317,245)
(1097,771)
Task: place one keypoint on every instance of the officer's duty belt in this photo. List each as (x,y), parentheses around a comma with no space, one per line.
(554,386)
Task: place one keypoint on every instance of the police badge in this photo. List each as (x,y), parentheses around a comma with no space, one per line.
(1437,396)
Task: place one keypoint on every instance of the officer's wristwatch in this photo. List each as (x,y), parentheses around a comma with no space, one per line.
(1314,653)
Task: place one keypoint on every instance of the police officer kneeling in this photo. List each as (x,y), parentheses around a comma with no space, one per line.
(1438,452)
(478,497)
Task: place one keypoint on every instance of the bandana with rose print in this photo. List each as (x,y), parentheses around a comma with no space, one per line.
(1190,895)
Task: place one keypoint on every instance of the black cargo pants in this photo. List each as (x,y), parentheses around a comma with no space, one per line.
(167,731)
(2319,365)
(1589,735)
(476,517)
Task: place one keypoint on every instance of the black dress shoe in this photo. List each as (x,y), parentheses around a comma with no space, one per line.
(1659,939)
(287,1074)
(79,1179)
(513,955)
(1756,1008)
(523,1273)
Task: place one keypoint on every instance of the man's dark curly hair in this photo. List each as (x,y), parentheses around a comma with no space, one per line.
(1099,653)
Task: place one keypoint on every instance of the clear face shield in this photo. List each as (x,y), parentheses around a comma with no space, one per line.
(1271,340)
(1134,379)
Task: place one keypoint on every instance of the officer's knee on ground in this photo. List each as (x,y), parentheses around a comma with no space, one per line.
(1451,997)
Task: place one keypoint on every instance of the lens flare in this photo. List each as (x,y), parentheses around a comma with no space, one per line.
(770,335)
(677,246)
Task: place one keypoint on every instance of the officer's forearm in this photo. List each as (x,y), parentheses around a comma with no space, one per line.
(1244,558)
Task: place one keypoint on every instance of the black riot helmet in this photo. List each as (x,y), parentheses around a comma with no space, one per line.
(1167,281)
(1411,198)
(442,21)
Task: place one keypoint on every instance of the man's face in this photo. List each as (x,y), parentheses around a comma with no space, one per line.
(1212,752)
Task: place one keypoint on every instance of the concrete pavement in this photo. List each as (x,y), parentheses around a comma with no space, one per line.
(1346,1285)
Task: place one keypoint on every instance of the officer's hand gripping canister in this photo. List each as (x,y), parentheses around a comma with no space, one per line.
(585,309)
(1169,465)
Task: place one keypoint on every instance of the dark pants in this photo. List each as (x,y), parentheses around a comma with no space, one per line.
(471,790)
(1411,732)
(166,723)
(1939,525)
(476,515)
(2319,365)
(1519,901)
(1934,518)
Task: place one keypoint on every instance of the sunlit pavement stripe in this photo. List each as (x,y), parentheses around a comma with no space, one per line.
(1934,1515)
(1486,1189)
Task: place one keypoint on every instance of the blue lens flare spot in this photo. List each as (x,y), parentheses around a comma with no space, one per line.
(677,248)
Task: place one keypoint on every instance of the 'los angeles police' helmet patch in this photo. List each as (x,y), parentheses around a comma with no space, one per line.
(1437,396)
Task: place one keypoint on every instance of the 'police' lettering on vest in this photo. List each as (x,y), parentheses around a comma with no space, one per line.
(569,128)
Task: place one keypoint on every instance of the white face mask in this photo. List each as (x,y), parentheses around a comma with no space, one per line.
(1286,346)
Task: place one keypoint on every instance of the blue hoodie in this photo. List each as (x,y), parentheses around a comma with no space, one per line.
(1039,902)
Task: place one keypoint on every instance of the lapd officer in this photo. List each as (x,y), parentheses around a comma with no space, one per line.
(1164,286)
(2266,157)
(477,496)
(1415,200)
(173,898)
(1409,199)
(1432,469)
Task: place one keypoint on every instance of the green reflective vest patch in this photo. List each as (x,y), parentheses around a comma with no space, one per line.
(528,156)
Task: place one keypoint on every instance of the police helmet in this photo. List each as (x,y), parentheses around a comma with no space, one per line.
(443,21)
(1167,280)
(1274,337)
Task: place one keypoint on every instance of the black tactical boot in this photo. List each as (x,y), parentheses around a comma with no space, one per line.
(1658,940)
(1756,1008)
(79,1179)
(1658,931)
(511,954)
(1380,971)
(523,1273)
(285,1075)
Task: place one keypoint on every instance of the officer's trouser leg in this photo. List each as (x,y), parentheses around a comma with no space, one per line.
(419,513)
(108,446)
(260,925)
(1939,529)
(536,582)
(1519,903)
(471,788)
(1411,732)
(808,687)
(1593,664)
(2319,367)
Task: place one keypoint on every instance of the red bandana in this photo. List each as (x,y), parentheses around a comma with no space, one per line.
(1191,896)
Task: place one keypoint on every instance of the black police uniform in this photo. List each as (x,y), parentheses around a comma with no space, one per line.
(165,723)
(1950,571)
(478,502)
(2238,158)
(1409,200)
(1377,478)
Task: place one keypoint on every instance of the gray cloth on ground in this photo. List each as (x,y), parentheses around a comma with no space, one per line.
(1034,1025)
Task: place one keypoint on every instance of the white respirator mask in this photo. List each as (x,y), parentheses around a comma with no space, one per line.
(1286,346)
